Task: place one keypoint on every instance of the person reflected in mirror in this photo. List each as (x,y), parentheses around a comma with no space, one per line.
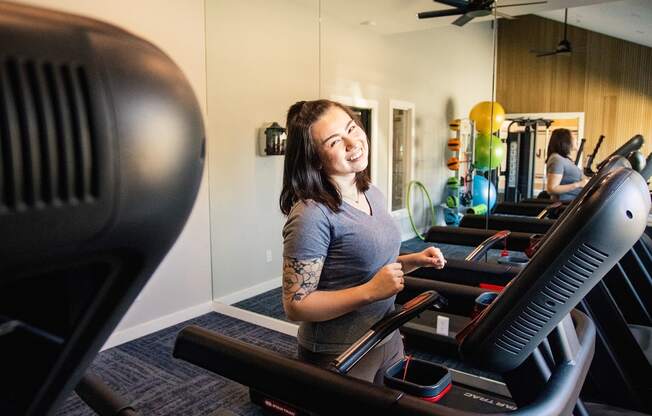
(564,180)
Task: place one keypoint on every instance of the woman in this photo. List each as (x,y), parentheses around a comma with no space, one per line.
(564,179)
(341,269)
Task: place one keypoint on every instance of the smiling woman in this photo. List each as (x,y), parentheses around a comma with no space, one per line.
(341,269)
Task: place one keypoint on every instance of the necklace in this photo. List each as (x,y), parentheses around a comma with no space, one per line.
(356,199)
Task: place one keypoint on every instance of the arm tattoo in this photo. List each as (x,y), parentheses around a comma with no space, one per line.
(300,277)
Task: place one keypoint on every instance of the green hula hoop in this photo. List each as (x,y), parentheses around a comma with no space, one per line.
(409,209)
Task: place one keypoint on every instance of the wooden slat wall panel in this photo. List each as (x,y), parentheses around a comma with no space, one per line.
(609,79)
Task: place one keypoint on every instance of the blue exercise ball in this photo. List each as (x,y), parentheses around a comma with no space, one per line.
(481,186)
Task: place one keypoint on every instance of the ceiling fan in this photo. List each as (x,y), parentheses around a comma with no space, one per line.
(468,10)
(564,46)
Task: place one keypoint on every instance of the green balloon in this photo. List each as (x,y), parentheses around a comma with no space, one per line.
(485,146)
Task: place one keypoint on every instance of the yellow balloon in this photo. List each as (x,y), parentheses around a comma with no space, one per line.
(481,115)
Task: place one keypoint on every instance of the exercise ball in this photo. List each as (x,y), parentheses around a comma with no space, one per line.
(454,144)
(482,186)
(455,124)
(488,147)
(453,163)
(481,114)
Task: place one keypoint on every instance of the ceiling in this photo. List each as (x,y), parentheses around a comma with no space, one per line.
(626,19)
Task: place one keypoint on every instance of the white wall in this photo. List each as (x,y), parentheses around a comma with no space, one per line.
(263,56)
(181,287)
(442,71)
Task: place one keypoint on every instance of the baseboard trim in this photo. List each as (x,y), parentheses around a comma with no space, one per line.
(250,292)
(146,328)
(256,319)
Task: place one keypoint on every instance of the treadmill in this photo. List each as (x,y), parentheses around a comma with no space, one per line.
(543,377)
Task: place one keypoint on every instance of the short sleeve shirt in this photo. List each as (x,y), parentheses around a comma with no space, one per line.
(354,246)
(560,165)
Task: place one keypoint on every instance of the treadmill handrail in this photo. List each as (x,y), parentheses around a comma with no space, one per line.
(635,143)
(486,245)
(383,328)
(578,156)
(544,212)
(588,170)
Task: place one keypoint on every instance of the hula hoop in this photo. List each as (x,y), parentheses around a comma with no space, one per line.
(409,209)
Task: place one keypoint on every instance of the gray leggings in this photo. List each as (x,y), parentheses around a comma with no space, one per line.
(371,367)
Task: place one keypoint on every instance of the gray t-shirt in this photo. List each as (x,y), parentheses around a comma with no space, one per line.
(354,246)
(570,173)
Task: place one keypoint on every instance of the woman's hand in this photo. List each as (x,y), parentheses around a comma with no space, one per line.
(430,257)
(387,282)
(582,182)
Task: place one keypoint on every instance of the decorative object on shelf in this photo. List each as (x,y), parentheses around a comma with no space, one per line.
(454,144)
(272,139)
(453,163)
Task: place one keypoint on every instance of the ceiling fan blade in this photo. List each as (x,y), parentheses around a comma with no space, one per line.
(522,4)
(547,54)
(439,13)
(542,51)
(505,16)
(462,20)
(460,4)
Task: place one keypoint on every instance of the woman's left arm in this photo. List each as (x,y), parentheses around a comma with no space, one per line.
(430,257)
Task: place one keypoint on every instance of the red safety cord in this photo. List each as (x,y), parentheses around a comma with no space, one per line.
(407,363)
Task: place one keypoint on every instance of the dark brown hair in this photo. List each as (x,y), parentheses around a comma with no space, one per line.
(561,142)
(303,176)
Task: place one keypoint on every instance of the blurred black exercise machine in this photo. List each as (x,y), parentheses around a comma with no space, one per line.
(83,224)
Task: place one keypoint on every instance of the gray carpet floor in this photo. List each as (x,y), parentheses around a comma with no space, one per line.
(144,372)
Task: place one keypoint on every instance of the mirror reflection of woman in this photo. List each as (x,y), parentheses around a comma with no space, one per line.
(341,268)
(564,180)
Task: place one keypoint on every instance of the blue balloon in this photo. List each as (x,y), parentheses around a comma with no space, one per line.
(482,186)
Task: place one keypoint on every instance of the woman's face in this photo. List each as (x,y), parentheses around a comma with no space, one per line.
(574,145)
(341,143)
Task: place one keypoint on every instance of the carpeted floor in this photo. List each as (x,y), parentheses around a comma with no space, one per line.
(144,372)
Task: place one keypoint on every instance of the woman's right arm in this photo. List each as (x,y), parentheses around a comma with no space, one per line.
(553,181)
(303,302)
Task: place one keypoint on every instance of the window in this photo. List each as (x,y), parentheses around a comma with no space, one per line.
(401,141)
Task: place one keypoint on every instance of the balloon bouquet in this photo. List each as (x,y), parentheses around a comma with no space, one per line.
(473,190)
